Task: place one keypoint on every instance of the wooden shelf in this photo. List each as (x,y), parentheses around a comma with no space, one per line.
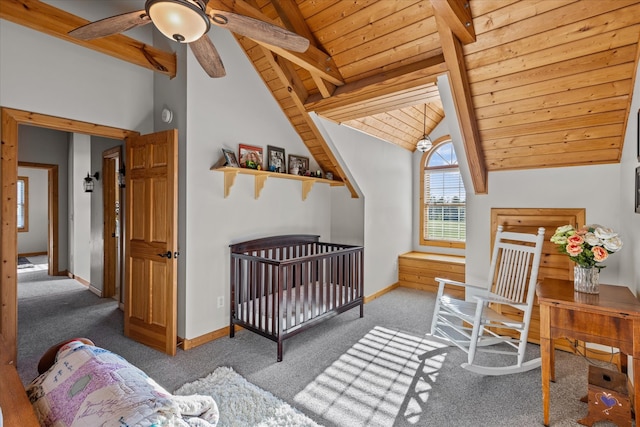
(260,176)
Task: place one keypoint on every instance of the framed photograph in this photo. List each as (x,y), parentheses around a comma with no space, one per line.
(250,156)
(230,158)
(638,190)
(276,159)
(298,165)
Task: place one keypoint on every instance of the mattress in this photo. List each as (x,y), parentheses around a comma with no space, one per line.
(298,306)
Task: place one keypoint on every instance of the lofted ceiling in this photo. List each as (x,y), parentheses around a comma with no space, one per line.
(535,83)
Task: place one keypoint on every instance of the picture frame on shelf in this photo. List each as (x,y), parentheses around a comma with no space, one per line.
(276,159)
(637,186)
(298,165)
(250,156)
(230,158)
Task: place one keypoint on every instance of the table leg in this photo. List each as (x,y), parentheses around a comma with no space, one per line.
(546,354)
(636,388)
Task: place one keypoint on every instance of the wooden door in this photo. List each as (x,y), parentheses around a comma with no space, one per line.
(151,240)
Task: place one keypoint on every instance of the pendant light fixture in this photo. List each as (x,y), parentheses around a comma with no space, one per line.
(424,144)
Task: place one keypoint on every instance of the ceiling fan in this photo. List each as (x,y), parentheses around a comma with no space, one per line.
(187,21)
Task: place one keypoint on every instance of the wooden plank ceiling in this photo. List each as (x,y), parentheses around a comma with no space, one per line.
(536,83)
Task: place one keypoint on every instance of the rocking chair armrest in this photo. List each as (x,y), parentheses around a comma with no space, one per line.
(443,281)
(491,297)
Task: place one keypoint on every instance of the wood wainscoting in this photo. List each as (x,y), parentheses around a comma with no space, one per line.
(418,270)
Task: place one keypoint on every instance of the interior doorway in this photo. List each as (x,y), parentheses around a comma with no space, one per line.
(52,213)
(11,119)
(113,185)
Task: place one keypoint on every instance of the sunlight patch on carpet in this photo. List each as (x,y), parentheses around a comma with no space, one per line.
(385,375)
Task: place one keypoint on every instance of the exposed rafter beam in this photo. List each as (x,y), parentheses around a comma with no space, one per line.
(402,80)
(295,88)
(452,51)
(457,15)
(55,22)
(292,18)
(313,60)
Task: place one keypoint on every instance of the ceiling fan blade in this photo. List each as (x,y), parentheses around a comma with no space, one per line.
(208,57)
(259,30)
(112,25)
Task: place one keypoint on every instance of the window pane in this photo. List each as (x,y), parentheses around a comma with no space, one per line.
(22,184)
(444,197)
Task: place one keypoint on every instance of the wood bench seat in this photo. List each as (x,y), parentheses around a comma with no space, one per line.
(418,270)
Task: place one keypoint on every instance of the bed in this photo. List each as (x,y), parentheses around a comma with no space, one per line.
(283,285)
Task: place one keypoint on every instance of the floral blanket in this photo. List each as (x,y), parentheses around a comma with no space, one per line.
(90,386)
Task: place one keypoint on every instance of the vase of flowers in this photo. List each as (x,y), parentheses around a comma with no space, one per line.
(587,247)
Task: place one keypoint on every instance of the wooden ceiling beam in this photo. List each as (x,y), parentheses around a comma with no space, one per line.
(452,51)
(55,22)
(292,18)
(422,73)
(287,75)
(313,60)
(457,16)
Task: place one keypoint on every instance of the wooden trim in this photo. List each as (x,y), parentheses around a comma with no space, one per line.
(423,241)
(32,253)
(457,15)
(454,57)
(381,292)
(11,119)
(56,22)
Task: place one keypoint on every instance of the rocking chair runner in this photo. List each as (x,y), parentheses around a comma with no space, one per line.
(478,322)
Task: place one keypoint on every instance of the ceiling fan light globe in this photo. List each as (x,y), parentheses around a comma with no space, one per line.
(184,21)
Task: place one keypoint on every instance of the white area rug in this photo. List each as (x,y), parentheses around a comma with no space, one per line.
(369,384)
(244,404)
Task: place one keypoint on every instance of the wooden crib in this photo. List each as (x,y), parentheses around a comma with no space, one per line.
(282,285)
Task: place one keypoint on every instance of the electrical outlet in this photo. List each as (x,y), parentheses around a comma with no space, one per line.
(220,301)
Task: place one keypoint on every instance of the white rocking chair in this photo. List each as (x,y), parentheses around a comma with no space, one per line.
(478,322)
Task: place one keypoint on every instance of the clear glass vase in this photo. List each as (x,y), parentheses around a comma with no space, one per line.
(586,279)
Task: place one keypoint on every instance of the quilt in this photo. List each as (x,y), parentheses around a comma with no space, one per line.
(91,386)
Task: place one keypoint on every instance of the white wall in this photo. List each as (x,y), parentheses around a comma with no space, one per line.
(80,207)
(223,113)
(383,173)
(47,75)
(35,239)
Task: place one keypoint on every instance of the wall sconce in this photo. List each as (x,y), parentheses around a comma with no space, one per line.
(121,182)
(88,182)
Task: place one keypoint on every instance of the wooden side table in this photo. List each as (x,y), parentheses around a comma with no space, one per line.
(610,318)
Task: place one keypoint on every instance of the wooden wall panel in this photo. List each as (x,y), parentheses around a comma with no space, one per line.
(553,264)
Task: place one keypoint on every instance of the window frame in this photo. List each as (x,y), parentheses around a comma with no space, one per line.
(25,205)
(423,162)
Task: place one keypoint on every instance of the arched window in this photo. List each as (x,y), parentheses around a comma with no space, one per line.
(443,198)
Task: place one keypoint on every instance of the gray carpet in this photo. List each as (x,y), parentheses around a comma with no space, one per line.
(327,372)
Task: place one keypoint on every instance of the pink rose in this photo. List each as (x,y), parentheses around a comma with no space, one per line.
(599,253)
(575,240)
(582,231)
(574,249)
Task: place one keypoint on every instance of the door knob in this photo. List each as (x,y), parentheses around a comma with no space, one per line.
(166,255)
